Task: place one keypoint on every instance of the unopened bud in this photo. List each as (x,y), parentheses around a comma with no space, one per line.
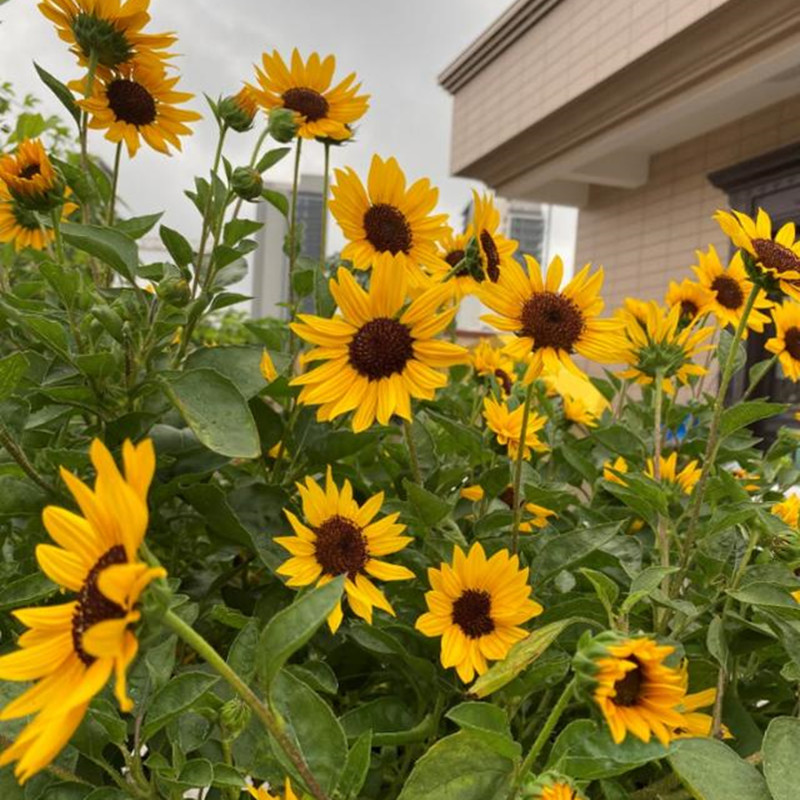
(174,291)
(238,111)
(282,125)
(247,183)
(233,718)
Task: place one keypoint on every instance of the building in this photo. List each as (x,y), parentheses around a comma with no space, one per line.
(270,267)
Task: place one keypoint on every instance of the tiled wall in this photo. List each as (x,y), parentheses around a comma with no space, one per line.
(577,45)
(646,237)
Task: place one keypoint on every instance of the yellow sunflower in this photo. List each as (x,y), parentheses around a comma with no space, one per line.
(693,298)
(583,402)
(613,469)
(777,255)
(539,515)
(380,352)
(729,289)
(668,468)
(507,427)
(387,224)
(657,342)
(72,649)
(497,251)
(788,510)
(551,323)
(30,177)
(559,789)
(138,100)
(577,411)
(263,792)
(786,342)
(340,538)
(490,361)
(452,249)
(751,480)
(636,691)
(109,30)
(477,606)
(267,367)
(796,596)
(695,723)
(305,88)
(21,227)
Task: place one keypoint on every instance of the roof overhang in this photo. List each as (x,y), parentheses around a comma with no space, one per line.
(740,58)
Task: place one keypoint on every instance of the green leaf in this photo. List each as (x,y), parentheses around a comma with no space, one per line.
(716,642)
(66,283)
(96,365)
(459,767)
(136,227)
(725,343)
(12,370)
(25,591)
(237,229)
(292,627)
(710,770)
(271,157)
(277,199)
(388,714)
(303,282)
(312,725)
(566,549)
(430,508)
(355,768)
(519,657)
(175,698)
(743,414)
(489,723)
(606,589)
(111,247)
(647,581)
(240,364)
(781,765)
(61,92)
(179,248)
(215,410)
(646,497)
(759,370)
(198,773)
(52,333)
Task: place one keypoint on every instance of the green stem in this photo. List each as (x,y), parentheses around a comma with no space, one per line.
(712,445)
(270,722)
(253,158)
(544,734)
(517,517)
(55,215)
(293,237)
(16,452)
(661,526)
(114,181)
(412,452)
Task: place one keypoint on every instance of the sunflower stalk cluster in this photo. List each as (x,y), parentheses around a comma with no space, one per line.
(346,552)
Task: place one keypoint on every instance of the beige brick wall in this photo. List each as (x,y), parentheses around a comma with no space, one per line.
(576,46)
(646,237)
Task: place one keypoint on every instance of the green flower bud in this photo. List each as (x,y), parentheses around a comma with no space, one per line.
(247,183)
(282,125)
(233,718)
(238,111)
(174,291)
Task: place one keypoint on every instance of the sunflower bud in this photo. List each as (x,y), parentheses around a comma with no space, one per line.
(233,718)
(174,291)
(247,183)
(551,786)
(32,180)
(238,111)
(282,125)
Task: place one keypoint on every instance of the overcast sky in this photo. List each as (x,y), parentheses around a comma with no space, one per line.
(396,48)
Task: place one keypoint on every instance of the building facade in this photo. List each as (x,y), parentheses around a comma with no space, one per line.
(270,269)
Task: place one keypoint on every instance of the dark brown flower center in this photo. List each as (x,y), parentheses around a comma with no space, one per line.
(312,105)
(387,229)
(628,688)
(689,309)
(380,348)
(492,256)
(131,102)
(504,379)
(552,320)
(775,256)
(507,496)
(341,547)
(729,293)
(792,342)
(30,171)
(453,258)
(471,613)
(93,606)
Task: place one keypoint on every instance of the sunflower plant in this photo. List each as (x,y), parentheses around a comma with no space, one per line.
(346,552)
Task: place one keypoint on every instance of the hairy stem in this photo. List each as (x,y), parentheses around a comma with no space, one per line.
(293,237)
(16,452)
(112,200)
(517,512)
(413,456)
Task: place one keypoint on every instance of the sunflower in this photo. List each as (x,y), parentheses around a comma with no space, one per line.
(387,223)
(658,343)
(583,402)
(72,649)
(477,605)
(341,539)
(507,427)
(577,411)
(21,226)
(379,353)
(540,517)
(267,367)
(788,510)
(320,110)
(751,480)
(613,470)
(778,255)
(111,31)
(493,362)
(497,252)
(786,342)
(633,687)
(138,100)
(668,470)
(557,789)
(474,493)
(729,288)
(30,177)
(693,298)
(452,250)
(551,323)
(263,792)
